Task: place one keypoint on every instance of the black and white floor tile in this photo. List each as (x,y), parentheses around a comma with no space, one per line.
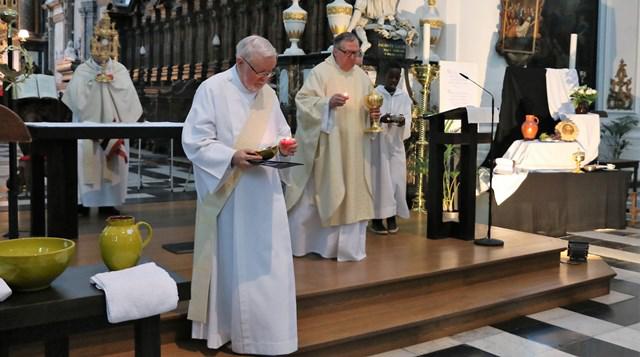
(607,325)
(153,184)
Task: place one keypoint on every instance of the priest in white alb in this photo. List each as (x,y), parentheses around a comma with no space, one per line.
(329,198)
(243,287)
(101,91)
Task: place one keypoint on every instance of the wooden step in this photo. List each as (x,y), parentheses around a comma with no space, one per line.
(386,324)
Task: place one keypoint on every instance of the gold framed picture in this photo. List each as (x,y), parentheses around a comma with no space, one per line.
(520,26)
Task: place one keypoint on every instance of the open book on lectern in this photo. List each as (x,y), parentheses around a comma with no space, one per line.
(36,86)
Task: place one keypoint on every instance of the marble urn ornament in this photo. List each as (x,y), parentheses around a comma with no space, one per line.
(339,15)
(295,19)
(436,25)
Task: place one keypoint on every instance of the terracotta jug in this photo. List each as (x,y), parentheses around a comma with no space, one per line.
(530,127)
(120,242)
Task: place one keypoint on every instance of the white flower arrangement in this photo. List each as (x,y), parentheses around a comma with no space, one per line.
(583,94)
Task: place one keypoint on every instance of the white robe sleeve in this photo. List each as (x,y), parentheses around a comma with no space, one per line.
(211,158)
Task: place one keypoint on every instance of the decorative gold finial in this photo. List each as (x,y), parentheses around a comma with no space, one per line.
(105,43)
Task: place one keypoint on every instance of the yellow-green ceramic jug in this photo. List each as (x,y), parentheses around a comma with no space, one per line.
(120,242)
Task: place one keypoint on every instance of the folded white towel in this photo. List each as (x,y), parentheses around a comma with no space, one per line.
(142,291)
(504,166)
(5,291)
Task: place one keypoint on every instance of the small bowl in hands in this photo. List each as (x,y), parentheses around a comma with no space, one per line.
(30,264)
(268,153)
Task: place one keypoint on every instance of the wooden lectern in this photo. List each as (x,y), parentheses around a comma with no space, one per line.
(468,138)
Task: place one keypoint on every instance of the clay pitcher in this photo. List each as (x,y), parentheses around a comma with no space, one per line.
(530,127)
(120,242)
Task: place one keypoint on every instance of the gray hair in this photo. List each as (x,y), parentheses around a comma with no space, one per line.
(345,37)
(253,45)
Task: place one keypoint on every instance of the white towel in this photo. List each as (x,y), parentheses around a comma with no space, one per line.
(5,291)
(504,166)
(142,291)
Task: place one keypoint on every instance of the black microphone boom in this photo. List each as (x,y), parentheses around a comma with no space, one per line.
(488,241)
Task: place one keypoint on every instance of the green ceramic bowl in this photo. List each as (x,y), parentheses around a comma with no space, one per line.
(29,264)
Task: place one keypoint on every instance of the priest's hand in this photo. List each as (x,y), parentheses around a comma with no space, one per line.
(241,158)
(338,100)
(288,146)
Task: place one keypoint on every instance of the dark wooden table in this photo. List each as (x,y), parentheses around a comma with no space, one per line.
(72,305)
(58,143)
(556,203)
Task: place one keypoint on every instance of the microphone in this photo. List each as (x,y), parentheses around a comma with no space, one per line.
(488,241)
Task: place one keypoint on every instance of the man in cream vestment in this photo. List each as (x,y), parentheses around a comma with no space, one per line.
(101,91)
(243,287)
(329,197)
(388,158)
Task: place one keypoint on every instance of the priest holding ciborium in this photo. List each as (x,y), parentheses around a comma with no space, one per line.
(329,198)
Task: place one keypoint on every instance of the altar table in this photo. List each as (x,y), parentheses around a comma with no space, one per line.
(58,143)
(72,305)
(556,203)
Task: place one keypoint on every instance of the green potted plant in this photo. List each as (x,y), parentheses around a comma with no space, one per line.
(613,134)
(582,97)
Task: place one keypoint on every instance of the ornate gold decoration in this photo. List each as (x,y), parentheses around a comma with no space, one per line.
(105,43)
(567,129)
(336,30)
(373,100)
(435,23)
(8,15)
(425,74)
(578,157)
(294,16)
(339,10)
(295,35)
(620,90)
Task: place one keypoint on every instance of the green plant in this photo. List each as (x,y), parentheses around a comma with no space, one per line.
(583,94)
(613,134)
(450,182)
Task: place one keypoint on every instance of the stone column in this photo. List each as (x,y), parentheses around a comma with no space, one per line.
(88,13)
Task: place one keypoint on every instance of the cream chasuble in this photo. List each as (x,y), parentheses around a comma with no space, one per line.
(242,285)
(102,181)
(334,182)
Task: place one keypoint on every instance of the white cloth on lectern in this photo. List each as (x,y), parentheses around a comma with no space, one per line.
(5,290)
(560,83)
(134,293)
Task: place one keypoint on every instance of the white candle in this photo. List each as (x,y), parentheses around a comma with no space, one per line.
(573,47)
(426,43)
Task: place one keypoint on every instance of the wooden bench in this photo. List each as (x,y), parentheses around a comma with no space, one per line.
(72,305)
(633,196)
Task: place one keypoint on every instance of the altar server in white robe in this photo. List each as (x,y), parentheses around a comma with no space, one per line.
(101,91)
(329,198)
(243,287)
(388,159)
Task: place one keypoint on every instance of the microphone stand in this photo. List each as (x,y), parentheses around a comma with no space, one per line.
(488,241)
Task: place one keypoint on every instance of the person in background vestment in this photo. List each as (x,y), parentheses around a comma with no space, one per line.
(101,91)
